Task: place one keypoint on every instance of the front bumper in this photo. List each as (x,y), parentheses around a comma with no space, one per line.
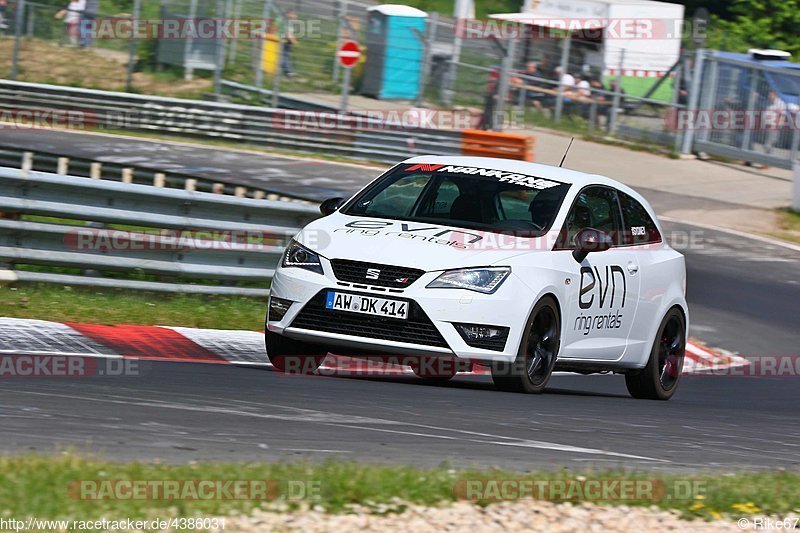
(508,307)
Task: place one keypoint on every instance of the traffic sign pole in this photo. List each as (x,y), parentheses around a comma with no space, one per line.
(345,90)
(347,56)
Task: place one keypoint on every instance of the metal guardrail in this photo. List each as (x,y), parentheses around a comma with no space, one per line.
(257,230)
(143,174)
(353,137)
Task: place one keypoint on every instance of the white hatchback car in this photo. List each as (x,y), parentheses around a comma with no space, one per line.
(520,267)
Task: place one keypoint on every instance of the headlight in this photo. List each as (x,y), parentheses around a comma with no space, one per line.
(485,280)
(297,255)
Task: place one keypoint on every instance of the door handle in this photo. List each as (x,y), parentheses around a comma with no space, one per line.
(633,268)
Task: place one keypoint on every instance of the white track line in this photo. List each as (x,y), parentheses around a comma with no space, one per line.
(753,236)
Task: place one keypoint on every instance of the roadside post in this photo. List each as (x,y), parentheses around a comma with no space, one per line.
(137,9)
(796,195)
(565,48)
(348,55)
(19,17)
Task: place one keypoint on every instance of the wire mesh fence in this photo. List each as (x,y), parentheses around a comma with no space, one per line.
(747,110)
(288,48)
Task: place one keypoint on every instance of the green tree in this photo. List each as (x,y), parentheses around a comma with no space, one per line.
(758,24)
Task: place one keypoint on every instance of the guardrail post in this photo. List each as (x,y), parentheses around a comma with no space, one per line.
(27,161)
(273,197)
(218,188)
(617,102)
(498,120)
(127,175)
(17,38)
(191,185)
(240,192)
(95,170)
(137,9)
(565,46)
(259,195)
(694,101)
(160,180)
(188,72)
(427,42)
(63,166)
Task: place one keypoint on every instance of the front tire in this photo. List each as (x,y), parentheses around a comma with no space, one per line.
(538,351)
(289,356)
(659,379)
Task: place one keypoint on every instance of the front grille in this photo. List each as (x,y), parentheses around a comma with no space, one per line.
(417,329)
(395,277)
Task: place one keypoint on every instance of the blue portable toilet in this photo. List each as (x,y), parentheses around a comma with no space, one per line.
(394,52)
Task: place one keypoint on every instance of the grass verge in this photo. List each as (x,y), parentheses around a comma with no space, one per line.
(789,226)
(44,487)
(117,306)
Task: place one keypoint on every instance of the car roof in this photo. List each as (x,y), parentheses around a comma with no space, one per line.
(564,175)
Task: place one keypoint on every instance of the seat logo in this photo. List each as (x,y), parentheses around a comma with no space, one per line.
(373,273)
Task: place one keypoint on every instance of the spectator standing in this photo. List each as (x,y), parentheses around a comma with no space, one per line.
(490,101)
(87,19)
(3,10)
(72,19)
(288,42)
(774,118)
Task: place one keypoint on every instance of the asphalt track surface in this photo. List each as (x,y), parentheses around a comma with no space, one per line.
(743,296)
(305,178)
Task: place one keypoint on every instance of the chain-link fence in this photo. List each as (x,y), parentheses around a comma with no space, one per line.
(583,85)
(747,109)
(53,43)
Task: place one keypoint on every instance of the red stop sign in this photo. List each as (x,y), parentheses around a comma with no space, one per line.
(348,54)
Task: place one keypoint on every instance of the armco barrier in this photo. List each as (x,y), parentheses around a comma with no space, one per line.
(494,144)
(353,137)
(143,174)
(232,266)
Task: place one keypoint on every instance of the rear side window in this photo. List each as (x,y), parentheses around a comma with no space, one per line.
(638,227)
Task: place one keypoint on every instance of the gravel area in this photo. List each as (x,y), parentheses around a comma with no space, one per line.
(462,516)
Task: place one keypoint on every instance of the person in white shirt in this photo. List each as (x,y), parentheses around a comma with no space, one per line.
(566,79)
(584,89)
(774,119)
(72,16)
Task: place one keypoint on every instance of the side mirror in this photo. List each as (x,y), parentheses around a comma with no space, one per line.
(330,206)
(591,240)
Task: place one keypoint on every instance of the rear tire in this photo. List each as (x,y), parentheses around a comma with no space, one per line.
(659,379)
(538,351)
(289,356)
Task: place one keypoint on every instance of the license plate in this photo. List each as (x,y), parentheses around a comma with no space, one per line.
(357,303)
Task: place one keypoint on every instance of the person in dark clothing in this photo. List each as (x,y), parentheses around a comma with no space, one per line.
(288,42)
(490,102)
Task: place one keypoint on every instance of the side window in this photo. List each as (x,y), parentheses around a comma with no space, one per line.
(397,200)
(595,207)
(638,227)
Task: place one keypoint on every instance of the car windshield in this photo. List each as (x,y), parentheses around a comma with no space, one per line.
(465,197)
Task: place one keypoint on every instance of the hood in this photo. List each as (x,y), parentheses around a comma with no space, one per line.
(423,245)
